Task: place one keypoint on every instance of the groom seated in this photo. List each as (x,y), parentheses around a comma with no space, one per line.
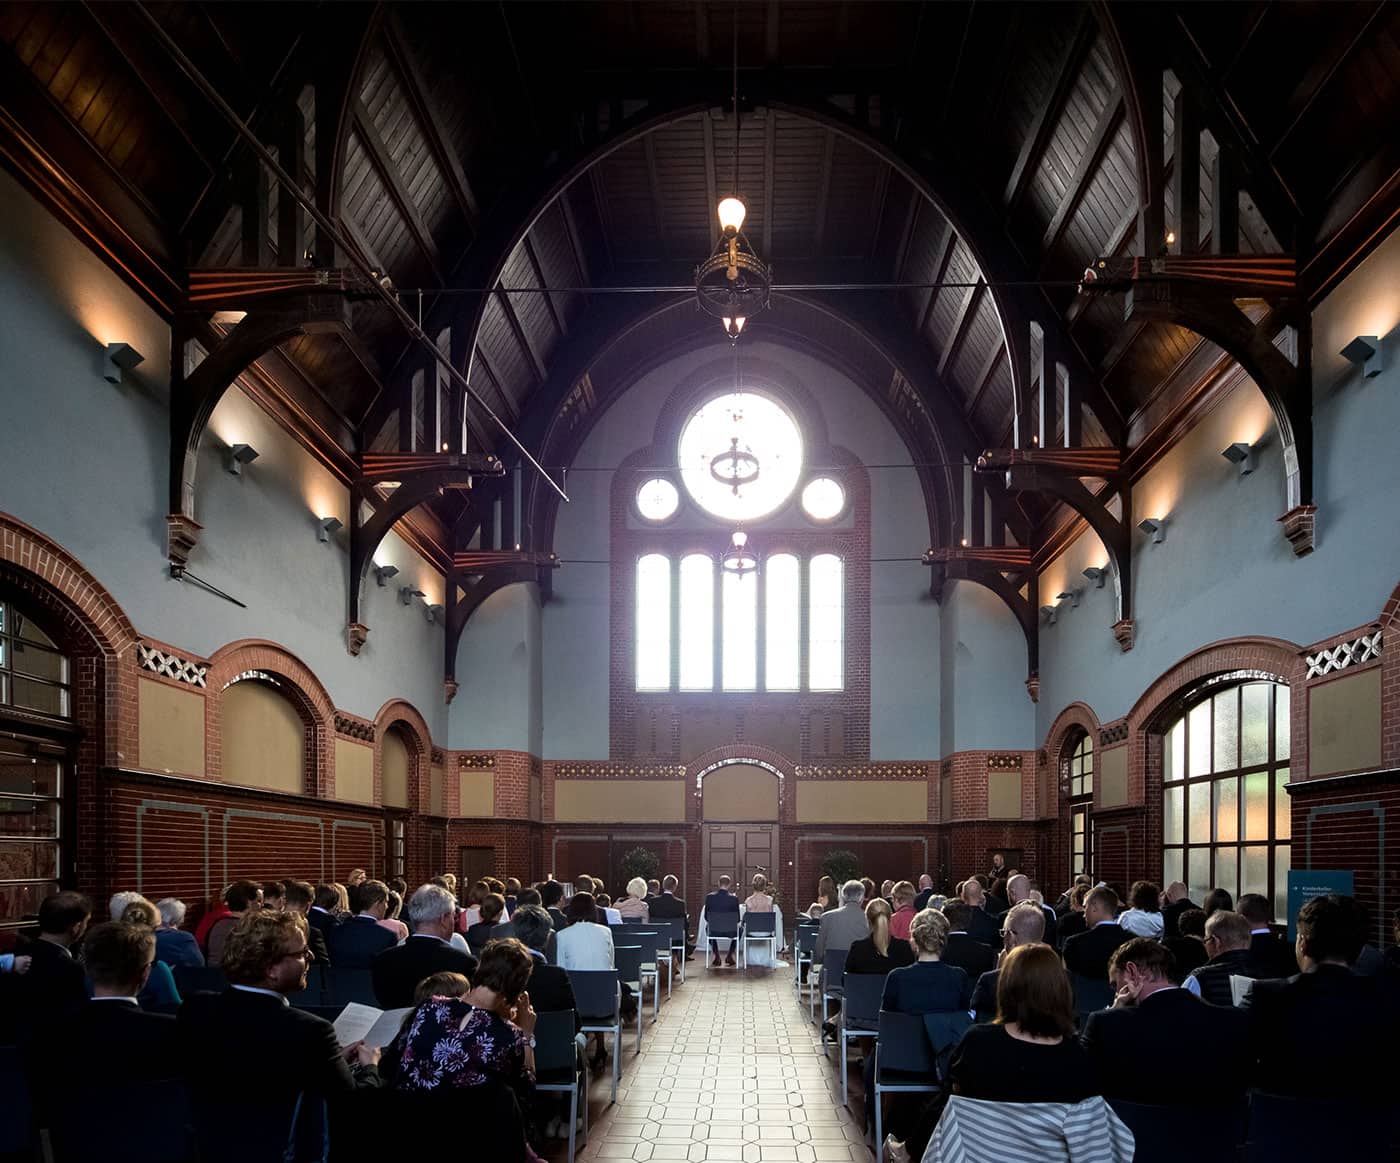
(717,904)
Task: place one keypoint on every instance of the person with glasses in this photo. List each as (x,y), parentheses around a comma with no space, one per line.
(251,1030)
(1227,943)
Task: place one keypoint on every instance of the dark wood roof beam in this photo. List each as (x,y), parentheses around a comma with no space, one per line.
(425,111)
(291,152)
(823,193)
(398,192)
(906,236)
(772,23)
(658,204)
(1048,115)
(1186,153)
(357,236)
(575,241)
(532,357)
(984,378)
(1084,172)
(1224,204)
(966,310)
(945,251)
(770,157)
(881,203)
(534,261)
(711,180)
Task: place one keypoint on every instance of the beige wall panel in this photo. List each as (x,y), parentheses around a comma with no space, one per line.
(395,763)
(1344,724)
(263,738)
(832,801)
(619,801)
(476,788)
(1003,795)
(171,727)
(1113,777)
(354,771)
(437,782)
(740,791)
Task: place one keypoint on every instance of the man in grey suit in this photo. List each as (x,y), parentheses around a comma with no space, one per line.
(843,925)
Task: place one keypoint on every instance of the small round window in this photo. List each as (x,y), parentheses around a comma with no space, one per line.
(823,499)
(657,499)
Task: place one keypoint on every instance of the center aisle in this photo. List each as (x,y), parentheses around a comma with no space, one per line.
(733,1072)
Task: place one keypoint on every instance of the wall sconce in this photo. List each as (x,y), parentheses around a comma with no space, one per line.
(1242,455)
(1048,614)
(432,613)
(120,357)
(1155,527)
(1096,575)
(1072,595)
(238,456)
(1364,351)
(325,526)
(382,573)
(408,593)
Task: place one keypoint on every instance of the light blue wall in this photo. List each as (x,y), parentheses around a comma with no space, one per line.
(1225,569)
(499,667)
(85,463)
(983,657)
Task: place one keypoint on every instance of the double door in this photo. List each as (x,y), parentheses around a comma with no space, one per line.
(739,851)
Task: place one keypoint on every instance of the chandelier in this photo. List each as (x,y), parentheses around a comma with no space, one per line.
(733,284)
(739,559)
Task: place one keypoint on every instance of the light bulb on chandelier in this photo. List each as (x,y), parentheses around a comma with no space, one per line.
(733,325)
(738,558)
(732,213)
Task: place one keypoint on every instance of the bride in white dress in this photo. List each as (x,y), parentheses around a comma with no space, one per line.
(760,954)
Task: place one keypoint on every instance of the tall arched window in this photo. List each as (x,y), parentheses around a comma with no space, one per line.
(1081,802)
(825,623)
(782,604)
(654,623)
(697,628)
(1225,820)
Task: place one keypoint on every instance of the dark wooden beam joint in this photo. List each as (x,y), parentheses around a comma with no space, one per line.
(953,565)
(478,583)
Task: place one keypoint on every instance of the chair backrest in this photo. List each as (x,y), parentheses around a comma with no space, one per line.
(1090,994)
(199,978)
(904,1045)
(723,925)
(649,940)
(833,967)
(1168,1133)
(105,1130)
(313,994)
(1286,1127)
(595,993)
(628,959)
(806,940)
(16,1112)
(863,994)
(674,927)
(633,920)
(760,924)
(555,1048)
(342,986)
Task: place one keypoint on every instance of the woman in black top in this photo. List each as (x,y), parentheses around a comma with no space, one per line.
(1030,1053)
(879,952)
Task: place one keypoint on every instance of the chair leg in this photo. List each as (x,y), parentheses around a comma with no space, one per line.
(879,1122)
(617,1059)
(573,1120)
(639,1019)
(845,1080)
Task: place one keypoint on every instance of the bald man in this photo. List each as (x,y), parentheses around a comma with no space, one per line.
(925,891)
(1018,889)
(981,926)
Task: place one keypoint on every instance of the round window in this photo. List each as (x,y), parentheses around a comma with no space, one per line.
(740,456)
(823,499)
(658,499)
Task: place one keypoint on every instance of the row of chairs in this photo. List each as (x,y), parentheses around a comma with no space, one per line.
(326,985)
(760,927)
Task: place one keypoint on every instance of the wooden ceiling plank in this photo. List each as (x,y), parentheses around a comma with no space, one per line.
(534,260)
(823,193)
(657,203)
(1084,172)
(398,193)
(532,357)
(770,158)
(984,378)
(966,310)
(711,180)
(1048,116)
(429,118)
(945,250)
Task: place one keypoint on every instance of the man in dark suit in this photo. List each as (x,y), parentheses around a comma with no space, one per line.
(925,892)
(354,944)
(1160,1044)
(1322,1032)
(397,971)
(1271,956)
(1177,903)
(323,917)
(1024,925)
(299,898)
(550,896)
(55,981)
(1018,888)
(249,1031)
(981,926)
(718,903)
(85,1047)
(968,954)
(1087,954)
(667,906)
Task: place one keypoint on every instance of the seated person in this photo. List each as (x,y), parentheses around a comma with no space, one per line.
(968,954)
(1227,943)
(1189,945)
(240,898)
(1072,922)
(354,944)
(1160,1044)
(174,945)
(634,905)
(55,980)
(758,901)
(1143,917)
(159,990)
(1088,953)
(928,986)
(1319,1034)
(492,910)
(1023,925)
(391,919)
(397,971)
(1272,956)
(880,952)
(902,903)
(1029,1052)
(608,914)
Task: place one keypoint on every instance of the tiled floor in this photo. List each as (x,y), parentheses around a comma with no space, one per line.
(733,1072)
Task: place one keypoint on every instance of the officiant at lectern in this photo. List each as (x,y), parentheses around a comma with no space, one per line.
(718,903)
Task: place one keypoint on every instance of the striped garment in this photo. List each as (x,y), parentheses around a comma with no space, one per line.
(975,1131)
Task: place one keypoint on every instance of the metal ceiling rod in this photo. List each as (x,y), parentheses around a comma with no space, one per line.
(284,179)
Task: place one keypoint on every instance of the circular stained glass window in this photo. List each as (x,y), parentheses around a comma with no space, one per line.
(823,499)
(657,499)
(740,456)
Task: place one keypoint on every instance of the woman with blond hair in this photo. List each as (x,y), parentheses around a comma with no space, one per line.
(928,986)
(759,901)
(634,903)
(160,991)
(881,951)
(1029,1053)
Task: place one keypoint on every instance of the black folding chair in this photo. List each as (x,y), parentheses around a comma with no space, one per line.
(342,986)
(905,1062)
(105,1132)
(724,927)
(860,1015)
(1283,1129)
(1166,1134)
(559,1066)
(650,941)
(16,1111)
(833,970)
(1090,994)
(805,941)
(599,1004)
(199,979)
(628,959)
(759,927)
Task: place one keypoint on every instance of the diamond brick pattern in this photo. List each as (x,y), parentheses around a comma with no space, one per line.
(152,658)
(1365,648)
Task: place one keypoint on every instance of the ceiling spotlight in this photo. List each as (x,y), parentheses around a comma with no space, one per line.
(1072,595)
(1096,575)
(1241,454)
(1048,614)
(325,526)
(1155,527)
(383,573)
(239,455)
(120,357)
(1364,351)
(432,613)
(408,593)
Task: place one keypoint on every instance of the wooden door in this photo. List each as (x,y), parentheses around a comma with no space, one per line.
(740,851)
(473,864)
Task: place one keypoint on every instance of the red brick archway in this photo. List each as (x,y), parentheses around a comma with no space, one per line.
(414,728)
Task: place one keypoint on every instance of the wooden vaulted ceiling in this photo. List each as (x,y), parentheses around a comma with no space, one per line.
(453,109)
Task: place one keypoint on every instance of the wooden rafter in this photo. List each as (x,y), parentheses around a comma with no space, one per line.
(554,313)
(967,310)
(398,192)
(823,193)
(1084,173)
(517,329)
